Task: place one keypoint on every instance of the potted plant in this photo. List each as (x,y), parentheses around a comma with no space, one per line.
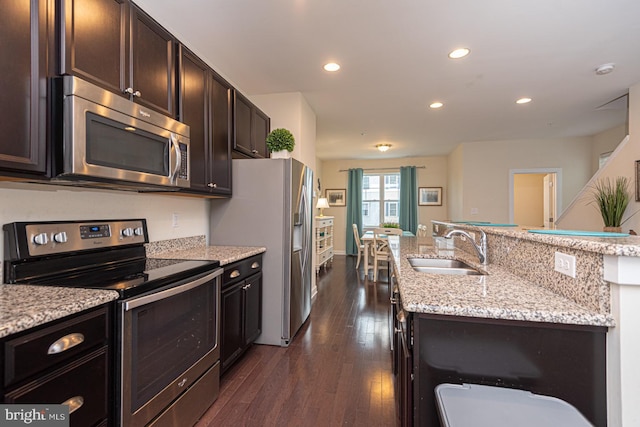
(280,143)
(612,198)
(390,225)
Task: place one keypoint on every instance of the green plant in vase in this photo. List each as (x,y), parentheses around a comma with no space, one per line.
(612,196)
(280,141)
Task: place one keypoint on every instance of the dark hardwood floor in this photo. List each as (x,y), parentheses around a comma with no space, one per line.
(337,370)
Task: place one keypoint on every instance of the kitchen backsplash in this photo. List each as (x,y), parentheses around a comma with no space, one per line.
(178,244)
(534,261)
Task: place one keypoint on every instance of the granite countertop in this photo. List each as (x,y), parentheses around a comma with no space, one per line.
(618,246)
(24,306)
(499,294)
(224,254)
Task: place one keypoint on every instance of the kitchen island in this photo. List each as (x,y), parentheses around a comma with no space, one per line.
(519,325)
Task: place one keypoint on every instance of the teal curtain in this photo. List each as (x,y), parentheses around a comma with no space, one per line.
(408,199)
(354,208)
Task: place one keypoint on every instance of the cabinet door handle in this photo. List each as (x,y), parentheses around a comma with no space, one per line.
(74,403)
(255,265)
(65,343)
(212,185)
(254,151)
(248,286)
(234,274)
(130,91)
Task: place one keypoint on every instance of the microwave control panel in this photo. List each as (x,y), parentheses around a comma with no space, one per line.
(184,164)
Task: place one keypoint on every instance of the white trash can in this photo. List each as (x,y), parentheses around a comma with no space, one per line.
(472,405)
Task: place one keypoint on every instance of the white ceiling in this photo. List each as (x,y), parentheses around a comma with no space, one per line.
(394,62)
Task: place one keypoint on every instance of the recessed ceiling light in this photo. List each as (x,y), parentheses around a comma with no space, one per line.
(383,147)
(436,105)
(459,53)
(331,66)
(523,101)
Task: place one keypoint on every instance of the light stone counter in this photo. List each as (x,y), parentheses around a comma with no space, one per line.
(24,306)
(500,294)
(195,248)
(224,254)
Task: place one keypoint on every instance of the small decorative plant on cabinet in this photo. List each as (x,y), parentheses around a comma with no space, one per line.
(280,143)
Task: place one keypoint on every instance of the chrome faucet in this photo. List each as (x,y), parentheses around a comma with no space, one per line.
(481,249)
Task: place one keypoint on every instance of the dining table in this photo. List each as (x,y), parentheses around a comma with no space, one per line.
(367,240)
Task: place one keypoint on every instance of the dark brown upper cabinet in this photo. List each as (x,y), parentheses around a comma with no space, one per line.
(251,129)
(23,104)
(115,45)
(205,105)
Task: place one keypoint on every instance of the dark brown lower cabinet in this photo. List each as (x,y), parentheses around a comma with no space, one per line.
(241,309)
(66,361)
(564,361)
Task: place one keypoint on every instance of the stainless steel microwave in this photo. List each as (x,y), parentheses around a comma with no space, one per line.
(109,139)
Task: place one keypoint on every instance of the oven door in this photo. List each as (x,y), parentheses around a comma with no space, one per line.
(169,340)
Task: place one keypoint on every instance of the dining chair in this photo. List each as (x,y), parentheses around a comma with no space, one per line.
(359,243)
(380,249)
(422,230)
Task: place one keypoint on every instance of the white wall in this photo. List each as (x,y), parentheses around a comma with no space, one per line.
(528,206)
(582,215)
(433,175)
(606,142)
(456,183)
(292,111)
(40,202)
(486,165)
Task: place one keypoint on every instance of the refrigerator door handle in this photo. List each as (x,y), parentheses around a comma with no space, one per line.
(305,227)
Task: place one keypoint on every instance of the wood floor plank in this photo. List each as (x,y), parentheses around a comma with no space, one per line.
(336,371)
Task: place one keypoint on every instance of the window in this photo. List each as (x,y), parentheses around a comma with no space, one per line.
(377,188)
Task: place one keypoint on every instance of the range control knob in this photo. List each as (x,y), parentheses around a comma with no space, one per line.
(127,232)
(138,231)
(60,237)
(40,239)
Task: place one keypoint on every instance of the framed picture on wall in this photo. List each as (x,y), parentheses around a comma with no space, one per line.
(430,196)
(336,197)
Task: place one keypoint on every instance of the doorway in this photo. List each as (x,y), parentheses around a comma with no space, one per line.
(534,196)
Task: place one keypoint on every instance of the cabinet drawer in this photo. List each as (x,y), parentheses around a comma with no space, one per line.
(324,223)
(40,350)
(323,256)
(84,382)
(241,270)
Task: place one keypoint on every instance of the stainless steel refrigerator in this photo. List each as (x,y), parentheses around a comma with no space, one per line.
(272,207)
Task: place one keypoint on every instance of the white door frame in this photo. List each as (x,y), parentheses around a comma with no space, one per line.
(558,173)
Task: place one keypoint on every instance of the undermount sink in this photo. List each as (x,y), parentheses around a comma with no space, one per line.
(442,266)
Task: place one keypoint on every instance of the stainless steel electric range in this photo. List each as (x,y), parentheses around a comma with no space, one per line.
(167,317)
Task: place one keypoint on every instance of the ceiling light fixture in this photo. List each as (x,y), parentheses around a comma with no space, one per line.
(436,105)
(383,147)
(459,53)
(523,101)
(605,69)
(331,66)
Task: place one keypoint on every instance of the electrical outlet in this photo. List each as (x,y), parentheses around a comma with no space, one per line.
(174,220)
(565,264)
(474,211)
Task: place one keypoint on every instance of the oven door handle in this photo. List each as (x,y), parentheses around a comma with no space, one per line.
(157,296)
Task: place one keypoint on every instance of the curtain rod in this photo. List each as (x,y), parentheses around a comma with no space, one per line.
(382,169)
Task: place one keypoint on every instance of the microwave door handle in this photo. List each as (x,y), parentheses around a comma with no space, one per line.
(176,149)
